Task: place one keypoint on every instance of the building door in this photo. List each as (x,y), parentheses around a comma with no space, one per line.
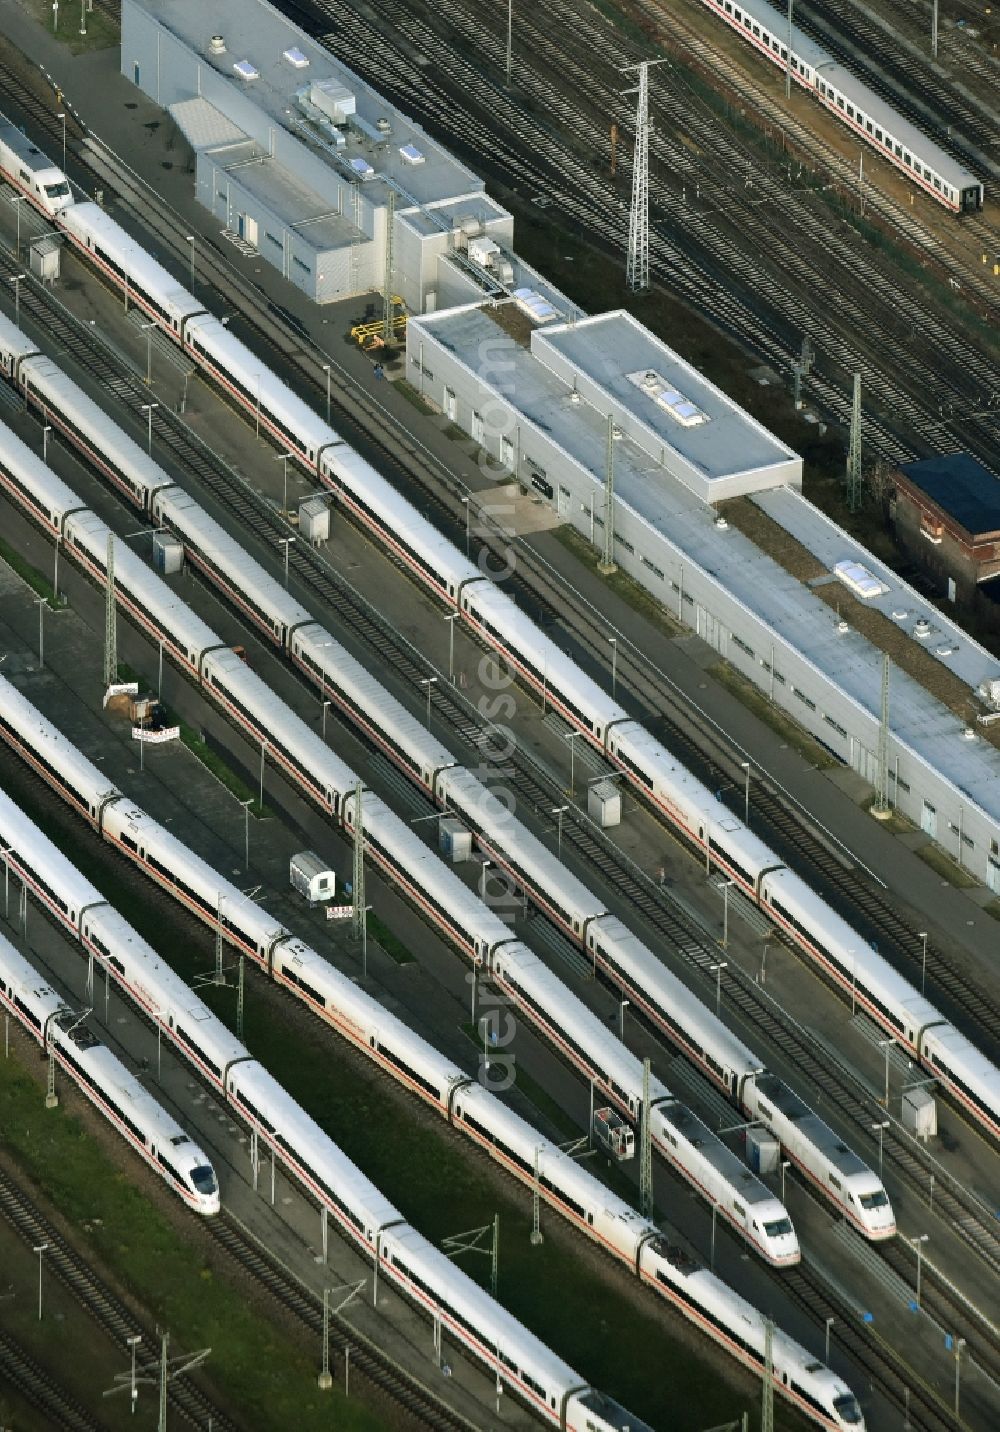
(135,73)
(563,501)
(928,820)
(993,875)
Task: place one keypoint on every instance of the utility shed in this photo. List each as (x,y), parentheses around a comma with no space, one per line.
(312,877)
(947,515)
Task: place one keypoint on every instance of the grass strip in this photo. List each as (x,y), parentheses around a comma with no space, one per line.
(255,1365)
(624,586)
(39,584)
(393,947)
(755,701)
(222,772)
(949,869)
(406,390)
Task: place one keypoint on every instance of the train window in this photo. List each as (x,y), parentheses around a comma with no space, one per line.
(908,159)
(850,110)
(898,150)
(795,63)
(756,30)
(869,126)
(746,23)
(878,135)
(729,8)
(937,185)
(840,101)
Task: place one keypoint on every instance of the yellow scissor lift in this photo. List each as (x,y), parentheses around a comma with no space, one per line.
(371,335)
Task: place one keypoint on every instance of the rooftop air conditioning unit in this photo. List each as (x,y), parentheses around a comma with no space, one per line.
(383,124)
(722,524)
(216,45)
(574,397)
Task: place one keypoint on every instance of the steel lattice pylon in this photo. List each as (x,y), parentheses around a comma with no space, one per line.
(767,1395)
(637,272)
(358,885)
(110,620)
(854,451)
(645,1149)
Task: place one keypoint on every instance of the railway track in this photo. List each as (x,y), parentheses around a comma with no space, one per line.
(533,787)
(212,259)
(18,1370)
(185,1396)
(345,1339)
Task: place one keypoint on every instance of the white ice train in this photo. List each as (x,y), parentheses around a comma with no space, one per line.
(851,102)
(80,908)
(699,1156)
(702,1158)
(129,1108)
(436,563)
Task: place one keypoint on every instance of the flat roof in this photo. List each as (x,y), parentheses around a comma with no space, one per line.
(927,626)
(617,351)
(719,1155)
(26,150)
(763,588)
(258,33)
(298,206)
(960,486)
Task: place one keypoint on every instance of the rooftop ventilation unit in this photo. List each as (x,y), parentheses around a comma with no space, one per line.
(383,124)
(216,45)
(574,397)
(362,168)
(296,58)
(410,154)
(722,524)
(665,396)
(333,99)
(246,70)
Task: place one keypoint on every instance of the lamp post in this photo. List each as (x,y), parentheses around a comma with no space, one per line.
(246,831)
(286,542)
(326,370)
(745,766)
(42,1248)
(923,960)
(880,1130)
(147,408)
(559,812)
(133,1343)
(17,280)
(959,1345)
(283,457)
(468,537)
(148,330)
(323,729)
(785,1164)
(613,640)
(41,603)
(711,1261)
(428,681)
(826,1346)
(622,1006)
(62,115)
(189,239)
(451,619)
(45,441)
(918,1244)
(83,17)
(717,971)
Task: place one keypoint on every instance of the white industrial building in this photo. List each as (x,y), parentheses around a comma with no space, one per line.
(551,401)
(300,161)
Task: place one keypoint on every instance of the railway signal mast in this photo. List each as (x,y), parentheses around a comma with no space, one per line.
(854,451)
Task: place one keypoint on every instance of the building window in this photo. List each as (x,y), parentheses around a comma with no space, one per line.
(299,264)
(272,240)
(835,724)
(738,641)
